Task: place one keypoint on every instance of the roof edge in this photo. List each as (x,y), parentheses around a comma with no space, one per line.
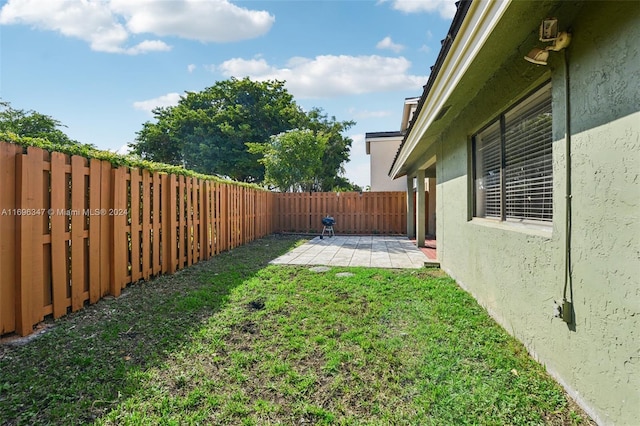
(461,13)
(389,134)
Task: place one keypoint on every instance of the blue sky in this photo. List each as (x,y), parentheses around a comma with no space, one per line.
(100,66)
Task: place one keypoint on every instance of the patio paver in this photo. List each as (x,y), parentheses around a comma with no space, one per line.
(376,251)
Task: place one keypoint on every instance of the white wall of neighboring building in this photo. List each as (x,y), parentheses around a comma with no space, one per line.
(382,148)
(381,152)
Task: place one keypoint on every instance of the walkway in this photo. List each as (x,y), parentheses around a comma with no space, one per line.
(376,251)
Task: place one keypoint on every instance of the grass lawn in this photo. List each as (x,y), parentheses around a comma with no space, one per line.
(234,341)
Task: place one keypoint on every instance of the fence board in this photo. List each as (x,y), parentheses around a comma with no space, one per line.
(198,228)
(43,217)
(119,247)
(231,212)
(146,225)
(188,221)
(106,204)
(78,192)
(8,153)
(134,225)
(203,216)
(172,224)
(206,222)
(59,239)
(29,291)
(233,228)
(95,219)
(181,222)
(219,218)
(155,224)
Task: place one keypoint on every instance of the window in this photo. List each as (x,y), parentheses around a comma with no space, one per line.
(512,163)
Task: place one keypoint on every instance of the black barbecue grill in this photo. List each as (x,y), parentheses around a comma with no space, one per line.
(327,226)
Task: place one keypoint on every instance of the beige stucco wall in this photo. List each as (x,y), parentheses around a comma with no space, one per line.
(517,272)
(382,151)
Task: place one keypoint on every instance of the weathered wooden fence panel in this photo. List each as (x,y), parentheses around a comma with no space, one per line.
(50,222)
(73,230)
(354,212)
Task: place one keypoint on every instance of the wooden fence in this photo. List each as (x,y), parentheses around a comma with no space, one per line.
(73,230)
(354,212)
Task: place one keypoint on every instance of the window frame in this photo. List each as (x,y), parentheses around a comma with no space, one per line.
(539,96)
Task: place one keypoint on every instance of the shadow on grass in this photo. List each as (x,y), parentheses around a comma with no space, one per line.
(89,361)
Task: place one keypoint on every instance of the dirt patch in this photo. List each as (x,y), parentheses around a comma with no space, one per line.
(256,305)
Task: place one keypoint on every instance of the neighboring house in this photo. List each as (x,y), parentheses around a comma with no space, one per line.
(381,148)
(538,183)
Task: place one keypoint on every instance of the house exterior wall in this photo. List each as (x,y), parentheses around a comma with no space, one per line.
(381,155)
(516,273)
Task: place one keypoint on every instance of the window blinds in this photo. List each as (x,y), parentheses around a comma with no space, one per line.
(488,160)
(513,168)
(528,163)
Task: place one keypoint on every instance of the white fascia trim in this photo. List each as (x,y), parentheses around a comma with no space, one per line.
(385,139)
(481,19)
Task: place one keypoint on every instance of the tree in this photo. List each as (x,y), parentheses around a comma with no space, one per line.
(32,124)
(207,130)
(156,141)
(293,159)
(336,153)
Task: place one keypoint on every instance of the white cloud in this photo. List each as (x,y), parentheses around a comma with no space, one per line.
(89,21)
(210,20)
(108,25)
(446,8)
(148,46)
(387,43)
(170,99)
(252,67)
(191,68)
(329,75)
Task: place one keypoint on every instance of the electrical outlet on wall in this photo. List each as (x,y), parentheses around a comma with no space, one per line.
(557,310)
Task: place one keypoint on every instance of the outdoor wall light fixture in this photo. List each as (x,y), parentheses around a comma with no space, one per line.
(548,32)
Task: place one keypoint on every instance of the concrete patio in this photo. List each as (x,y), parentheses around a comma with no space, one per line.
(375,251)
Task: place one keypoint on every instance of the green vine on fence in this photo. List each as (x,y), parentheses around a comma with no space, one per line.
(117,160)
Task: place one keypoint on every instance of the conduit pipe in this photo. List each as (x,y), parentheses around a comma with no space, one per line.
(567,304)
